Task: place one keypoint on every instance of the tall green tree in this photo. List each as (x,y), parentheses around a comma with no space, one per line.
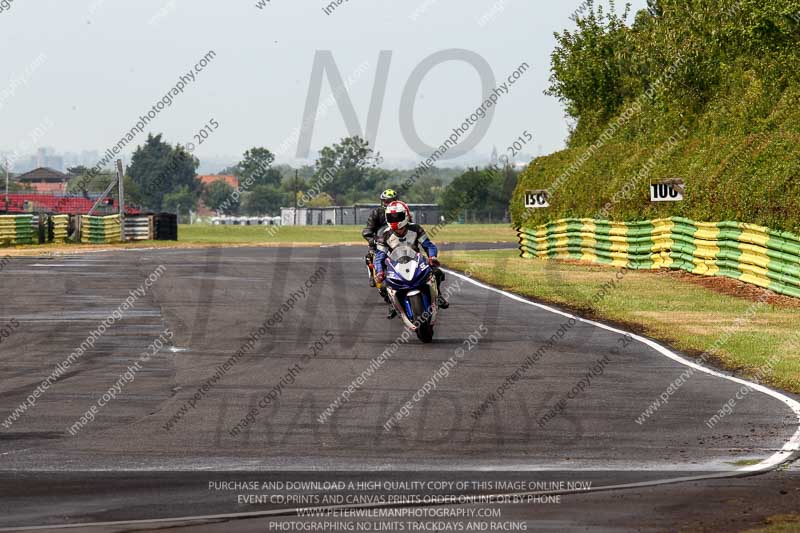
(256,168)
(218,195)
(591,66)
(263,200)
(480,194)
(159,169)
(180,200)
(345,168)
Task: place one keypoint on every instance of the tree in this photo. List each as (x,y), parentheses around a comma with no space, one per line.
(465,192)
(179,200)
(263,200)
(158,169)
(13,185)
(256,168)
(218,195)
(654,8)
(426,190)
(591,66)
(510,175)
(230,171)
(133,195)
(78,171)
(86,181)
(321,200)
(485,193)
(344,168)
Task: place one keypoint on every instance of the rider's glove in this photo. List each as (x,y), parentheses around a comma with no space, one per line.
(435,262)
(380,276)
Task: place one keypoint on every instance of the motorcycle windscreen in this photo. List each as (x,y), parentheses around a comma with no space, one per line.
(402,254)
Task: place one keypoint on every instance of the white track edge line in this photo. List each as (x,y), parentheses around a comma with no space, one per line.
(784,454)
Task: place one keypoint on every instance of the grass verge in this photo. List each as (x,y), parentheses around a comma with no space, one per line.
(195,236)
(779,524)
(687,316)
(333,234)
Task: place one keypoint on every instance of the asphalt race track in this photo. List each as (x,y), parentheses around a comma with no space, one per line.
(151,452)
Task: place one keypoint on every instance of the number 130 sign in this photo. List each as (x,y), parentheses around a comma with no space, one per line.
(537,199)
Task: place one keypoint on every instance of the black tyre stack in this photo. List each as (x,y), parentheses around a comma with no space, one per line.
(166,226)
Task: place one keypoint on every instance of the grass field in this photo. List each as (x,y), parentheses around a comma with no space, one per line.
(331,234)
(198,235)
(685,315)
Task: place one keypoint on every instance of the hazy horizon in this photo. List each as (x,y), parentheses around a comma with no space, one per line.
(96,67)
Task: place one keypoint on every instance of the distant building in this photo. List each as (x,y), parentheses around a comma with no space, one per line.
(208,179)
(45,180)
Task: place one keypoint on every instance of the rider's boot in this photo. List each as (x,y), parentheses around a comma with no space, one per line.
(383,292)
(441,301)
(370,272)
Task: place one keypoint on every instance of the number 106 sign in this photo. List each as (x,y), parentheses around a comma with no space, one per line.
(666,191)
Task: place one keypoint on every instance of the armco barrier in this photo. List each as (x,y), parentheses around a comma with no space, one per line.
(16,229)
(139,228)
(101,230)
(750,253)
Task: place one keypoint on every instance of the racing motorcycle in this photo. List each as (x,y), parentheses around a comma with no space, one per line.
(412,289)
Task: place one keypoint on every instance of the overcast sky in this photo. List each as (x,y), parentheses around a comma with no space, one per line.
(83,71)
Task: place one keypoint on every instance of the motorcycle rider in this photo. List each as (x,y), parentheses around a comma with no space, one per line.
(400,229)
(376,222)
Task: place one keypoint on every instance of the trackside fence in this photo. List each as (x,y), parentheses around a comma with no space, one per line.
(139,228)
(746,252)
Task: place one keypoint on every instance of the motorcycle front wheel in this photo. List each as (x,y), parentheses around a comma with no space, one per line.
(424,329)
